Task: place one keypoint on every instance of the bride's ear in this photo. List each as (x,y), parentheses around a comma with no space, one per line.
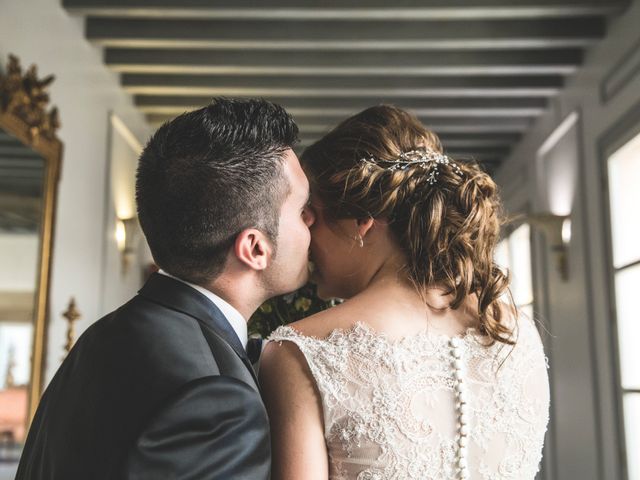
(253,249)
(364,225)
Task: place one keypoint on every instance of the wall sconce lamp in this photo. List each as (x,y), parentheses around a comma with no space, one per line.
(126,239)
(557,230)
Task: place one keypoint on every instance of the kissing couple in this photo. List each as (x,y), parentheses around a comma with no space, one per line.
(426,370)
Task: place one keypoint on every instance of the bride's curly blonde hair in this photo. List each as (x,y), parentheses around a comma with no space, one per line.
(448,230)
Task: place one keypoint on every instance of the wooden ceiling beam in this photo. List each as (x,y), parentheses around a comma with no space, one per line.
(310,86)
(336,109)
(345,63)
(410,10)
(345,35)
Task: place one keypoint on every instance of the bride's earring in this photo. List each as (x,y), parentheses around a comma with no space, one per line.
(359,240)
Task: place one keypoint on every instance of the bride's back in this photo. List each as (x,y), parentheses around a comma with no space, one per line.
(397,386)
(392,410)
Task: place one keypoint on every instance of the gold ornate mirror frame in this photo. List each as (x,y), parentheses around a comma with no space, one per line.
(23,113)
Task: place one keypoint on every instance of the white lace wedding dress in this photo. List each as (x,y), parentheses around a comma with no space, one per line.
(390,406)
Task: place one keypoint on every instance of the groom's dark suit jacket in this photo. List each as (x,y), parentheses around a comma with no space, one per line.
(159,389)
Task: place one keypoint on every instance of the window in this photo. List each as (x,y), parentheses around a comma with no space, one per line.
(514,254)
(623,168)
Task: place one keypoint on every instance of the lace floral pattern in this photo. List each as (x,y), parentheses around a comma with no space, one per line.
(389,406)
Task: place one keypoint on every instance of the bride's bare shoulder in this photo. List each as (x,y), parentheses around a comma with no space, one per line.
(321,324)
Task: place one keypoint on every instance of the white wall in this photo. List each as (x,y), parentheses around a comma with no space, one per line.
(583,441)
(42,32)
(119,280)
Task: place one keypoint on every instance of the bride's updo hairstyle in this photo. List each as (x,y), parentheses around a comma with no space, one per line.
(445,216)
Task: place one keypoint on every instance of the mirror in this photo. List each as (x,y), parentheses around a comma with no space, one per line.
(29,167)
(21,188)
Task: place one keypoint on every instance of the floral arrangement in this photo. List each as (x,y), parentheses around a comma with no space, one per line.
(286,309)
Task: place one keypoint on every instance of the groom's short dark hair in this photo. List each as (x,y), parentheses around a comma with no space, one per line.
(209,174)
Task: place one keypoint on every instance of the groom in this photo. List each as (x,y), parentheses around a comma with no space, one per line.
(163,388)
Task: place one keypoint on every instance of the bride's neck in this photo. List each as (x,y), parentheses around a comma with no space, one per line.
(390,274)
(393,279)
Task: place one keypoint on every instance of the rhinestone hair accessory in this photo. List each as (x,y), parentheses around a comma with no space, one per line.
(421,158)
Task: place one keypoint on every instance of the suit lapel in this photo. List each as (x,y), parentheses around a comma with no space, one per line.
(178,296)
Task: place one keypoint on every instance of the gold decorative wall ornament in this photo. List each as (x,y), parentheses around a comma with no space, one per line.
(72,314)
(25,97)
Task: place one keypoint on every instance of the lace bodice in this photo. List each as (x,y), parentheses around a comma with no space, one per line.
(389,406)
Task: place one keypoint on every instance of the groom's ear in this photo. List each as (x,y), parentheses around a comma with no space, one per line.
(252,248)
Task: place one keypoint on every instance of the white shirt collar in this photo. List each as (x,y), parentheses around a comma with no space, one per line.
(233,316)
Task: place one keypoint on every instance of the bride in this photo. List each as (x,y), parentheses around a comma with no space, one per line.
(426,371)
